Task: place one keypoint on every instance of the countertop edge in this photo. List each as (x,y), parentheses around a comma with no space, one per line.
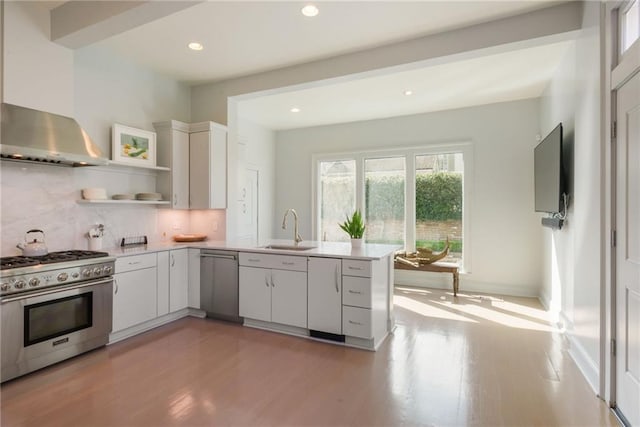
(321,249)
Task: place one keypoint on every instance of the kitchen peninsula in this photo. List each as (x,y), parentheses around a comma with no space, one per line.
(322,290)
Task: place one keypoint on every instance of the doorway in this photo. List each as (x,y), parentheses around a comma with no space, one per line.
(625,217)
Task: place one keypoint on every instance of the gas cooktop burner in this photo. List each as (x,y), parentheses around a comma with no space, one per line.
(7,263)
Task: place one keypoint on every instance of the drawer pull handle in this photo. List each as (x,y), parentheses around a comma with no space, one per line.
(253,260)
(355,268)
(266,281)
(287,263)
(355,323)
(337,278)
(134,263)
(354,292)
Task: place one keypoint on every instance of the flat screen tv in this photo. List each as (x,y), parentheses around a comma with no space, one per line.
(549,173)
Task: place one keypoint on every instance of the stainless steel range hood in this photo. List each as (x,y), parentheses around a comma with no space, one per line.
(36,136)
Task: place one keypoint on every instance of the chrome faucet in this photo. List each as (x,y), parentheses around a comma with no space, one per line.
(296,236)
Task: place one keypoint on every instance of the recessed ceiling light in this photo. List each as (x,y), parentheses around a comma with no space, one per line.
(195,46)
(408,92)
(310,10)
(295,110)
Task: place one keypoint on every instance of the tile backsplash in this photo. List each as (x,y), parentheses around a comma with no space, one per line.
(45,197)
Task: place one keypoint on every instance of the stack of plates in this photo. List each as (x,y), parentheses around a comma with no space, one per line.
(149,196)
(123,197)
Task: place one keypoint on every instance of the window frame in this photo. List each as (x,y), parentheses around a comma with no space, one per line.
(410,153)
(622,13)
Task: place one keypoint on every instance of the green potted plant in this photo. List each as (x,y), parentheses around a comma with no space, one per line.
(354,227)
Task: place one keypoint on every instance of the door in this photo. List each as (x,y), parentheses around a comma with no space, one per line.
(248,220)
(289,297)
(325,295)
(178,280)
(255,293)
(134,298)
(180,170)
(628,251)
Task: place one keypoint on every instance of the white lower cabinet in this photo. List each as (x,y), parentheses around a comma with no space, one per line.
(134,291)
(194,278)
(325,295)
(277,295)
(173,281)
(365,299)
(255,293)
(178,279)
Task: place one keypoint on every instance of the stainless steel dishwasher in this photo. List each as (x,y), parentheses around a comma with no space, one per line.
(219,284)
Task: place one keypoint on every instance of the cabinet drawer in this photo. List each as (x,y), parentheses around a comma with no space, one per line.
(280,262)
(356,291)
(356,322)
(352,267)
(135,262)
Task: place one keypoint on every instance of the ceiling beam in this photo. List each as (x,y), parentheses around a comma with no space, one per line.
(79,23)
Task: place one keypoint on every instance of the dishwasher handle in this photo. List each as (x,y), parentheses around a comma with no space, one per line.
(232,257)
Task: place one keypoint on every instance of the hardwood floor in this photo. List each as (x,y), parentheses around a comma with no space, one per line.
(478,360)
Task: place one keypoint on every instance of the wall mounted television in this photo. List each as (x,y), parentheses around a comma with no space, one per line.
(550,182)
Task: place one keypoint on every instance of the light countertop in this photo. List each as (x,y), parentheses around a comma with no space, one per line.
(368,251)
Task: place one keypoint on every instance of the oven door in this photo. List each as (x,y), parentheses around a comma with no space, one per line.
(44,327)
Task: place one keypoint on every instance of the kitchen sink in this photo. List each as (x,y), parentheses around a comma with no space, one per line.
(289,247)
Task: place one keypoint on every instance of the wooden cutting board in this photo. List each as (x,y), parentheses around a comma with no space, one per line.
(189,237)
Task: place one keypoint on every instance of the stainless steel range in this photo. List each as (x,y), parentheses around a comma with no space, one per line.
(53,307)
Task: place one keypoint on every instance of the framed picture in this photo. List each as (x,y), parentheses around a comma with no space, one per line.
(133,146)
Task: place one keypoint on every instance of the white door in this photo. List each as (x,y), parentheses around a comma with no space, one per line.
(134,298)
(325,295)
(248,218)
(628,251)
(289,297)
(178,279)
(255,293)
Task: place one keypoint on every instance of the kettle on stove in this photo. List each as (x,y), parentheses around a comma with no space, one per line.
(33,247)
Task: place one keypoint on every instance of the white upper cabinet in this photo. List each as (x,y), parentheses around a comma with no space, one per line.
(208,166)
(173,152)
(197,156)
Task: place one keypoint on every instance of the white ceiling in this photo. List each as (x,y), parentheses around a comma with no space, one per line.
(247,37)
(489,79)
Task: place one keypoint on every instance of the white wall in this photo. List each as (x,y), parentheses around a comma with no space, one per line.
(260,156)
(574,255)
(109,89)
(36,73)
(505,232)
(98,90)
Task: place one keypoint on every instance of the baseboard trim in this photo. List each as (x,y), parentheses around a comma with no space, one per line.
(422,279)
(586,365)
(152,324)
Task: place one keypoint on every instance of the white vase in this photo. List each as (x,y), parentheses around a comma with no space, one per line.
(356,243)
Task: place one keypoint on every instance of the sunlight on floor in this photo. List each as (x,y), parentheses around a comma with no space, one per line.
(428,310)
(473,308)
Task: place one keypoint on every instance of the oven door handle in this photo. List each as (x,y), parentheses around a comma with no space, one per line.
(55,290)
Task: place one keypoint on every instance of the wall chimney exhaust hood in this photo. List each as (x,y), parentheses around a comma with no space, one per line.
(36,136)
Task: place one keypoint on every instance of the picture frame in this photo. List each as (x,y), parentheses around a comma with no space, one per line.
(133,146)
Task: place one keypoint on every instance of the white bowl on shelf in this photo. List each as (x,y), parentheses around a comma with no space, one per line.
(94,193)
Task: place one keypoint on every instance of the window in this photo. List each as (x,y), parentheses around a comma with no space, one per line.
(337,194)
(630,24)
(415,197)
(384,200)
(439,203)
